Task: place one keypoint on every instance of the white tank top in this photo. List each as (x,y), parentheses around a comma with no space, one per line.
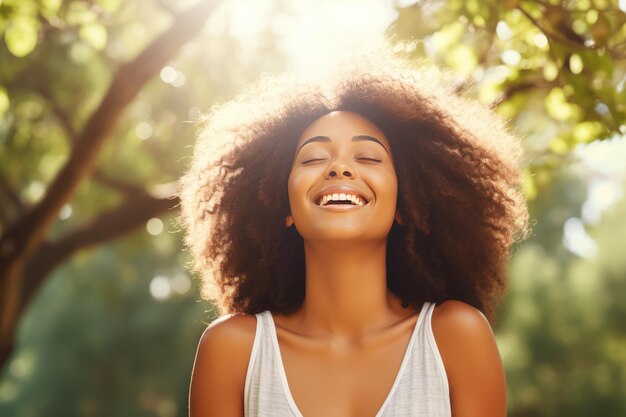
(420,388)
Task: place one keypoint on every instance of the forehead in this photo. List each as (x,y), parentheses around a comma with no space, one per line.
(342,125)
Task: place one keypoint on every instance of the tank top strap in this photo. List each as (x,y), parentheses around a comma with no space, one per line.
(264,392)
(427,353)
(258,336)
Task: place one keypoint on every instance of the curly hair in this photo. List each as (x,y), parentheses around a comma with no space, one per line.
(459,187)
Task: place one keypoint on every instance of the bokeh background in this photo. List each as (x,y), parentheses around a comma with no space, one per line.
(99,103)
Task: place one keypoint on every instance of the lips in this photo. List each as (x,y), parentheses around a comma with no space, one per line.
(340,189)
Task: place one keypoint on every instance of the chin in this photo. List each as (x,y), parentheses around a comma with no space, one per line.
(345,235)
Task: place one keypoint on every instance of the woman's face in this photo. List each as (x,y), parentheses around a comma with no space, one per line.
(343,184)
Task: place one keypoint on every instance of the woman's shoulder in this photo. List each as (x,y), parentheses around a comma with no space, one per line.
(220,366)
(458,326)
(232,333)
(471,358)
(226,344)
(455,313)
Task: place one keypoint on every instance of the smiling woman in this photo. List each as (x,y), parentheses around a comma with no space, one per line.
(354,233)
(345,154)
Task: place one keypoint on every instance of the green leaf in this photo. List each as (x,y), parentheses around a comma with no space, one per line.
(79,13)
(462,58)
(557,106)
(448,36)
(587,131)
(110,5)
(94,34)
(576,64)
(50,8)
(21,36)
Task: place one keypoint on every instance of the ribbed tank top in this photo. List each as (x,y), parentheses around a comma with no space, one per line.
(419,389)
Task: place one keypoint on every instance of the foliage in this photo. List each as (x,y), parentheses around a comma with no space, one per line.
(101,338)
(114,311)
(95,342)
(560,332)
(555,69)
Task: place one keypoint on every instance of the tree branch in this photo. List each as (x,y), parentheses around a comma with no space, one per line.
(28,232)
(60,114)
(113,183)
(11,205)
(23,238)
(132,213)
(561,38)
(11,196)
(124,187)
(521,87)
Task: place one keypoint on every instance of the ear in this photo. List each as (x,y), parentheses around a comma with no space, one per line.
(289,220)
(399,219)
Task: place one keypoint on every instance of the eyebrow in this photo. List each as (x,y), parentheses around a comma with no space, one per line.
(354,139)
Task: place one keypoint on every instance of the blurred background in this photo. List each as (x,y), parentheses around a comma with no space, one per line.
(99,101)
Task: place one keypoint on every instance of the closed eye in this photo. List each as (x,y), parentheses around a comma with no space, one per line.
(364,159)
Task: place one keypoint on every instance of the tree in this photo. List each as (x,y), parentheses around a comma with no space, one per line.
(555,69)
(23,239)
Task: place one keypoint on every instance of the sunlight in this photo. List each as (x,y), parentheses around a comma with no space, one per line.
(65,212)
(154,226)
(605,157)
(312,33)
(577,240)
(160,288)
(321,31)
(602,194)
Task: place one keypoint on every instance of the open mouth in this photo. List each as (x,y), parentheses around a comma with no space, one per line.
(341,199)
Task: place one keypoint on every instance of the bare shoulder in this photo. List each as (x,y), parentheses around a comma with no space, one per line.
(230,328)
(228,339)
(461,330)
(471,359)
(453,316)
(220,367)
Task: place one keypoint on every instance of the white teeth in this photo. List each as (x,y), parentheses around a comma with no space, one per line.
(340,197)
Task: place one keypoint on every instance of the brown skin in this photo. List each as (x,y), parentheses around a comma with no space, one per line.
(345,250)
(350,326)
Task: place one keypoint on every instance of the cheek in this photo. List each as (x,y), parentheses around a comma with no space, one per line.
(297,186)
(388,186)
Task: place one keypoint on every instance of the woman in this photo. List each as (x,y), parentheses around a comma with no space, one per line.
(353,231)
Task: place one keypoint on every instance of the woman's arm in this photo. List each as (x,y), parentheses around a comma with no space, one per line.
(472,360)
(220,367)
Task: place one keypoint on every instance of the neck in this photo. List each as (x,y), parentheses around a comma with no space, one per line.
(346,289)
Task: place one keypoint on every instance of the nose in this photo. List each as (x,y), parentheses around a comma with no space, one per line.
(339,170)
